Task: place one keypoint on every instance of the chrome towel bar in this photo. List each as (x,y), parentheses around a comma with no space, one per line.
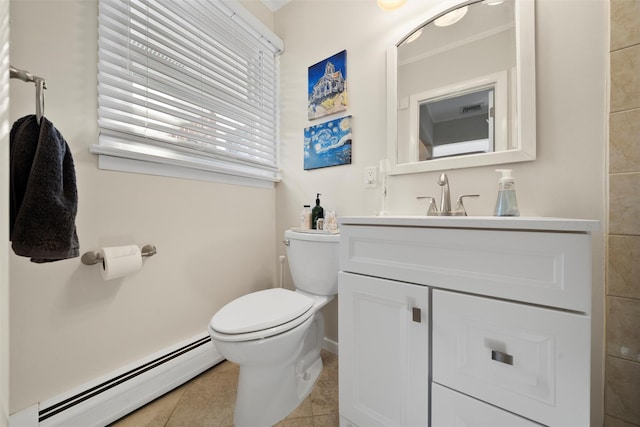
(41,85)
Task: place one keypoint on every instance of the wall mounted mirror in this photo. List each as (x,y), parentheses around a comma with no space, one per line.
(461,87)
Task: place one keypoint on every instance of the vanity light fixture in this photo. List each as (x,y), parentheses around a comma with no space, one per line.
(493,2)
(451,17)
(390,4)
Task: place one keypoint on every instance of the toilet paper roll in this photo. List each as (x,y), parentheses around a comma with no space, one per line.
(120,261)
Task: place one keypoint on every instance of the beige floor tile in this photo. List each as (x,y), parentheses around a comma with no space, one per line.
(208,400)
(303,410)
(324,397)
(153,414)
(329,420)
(296,422)
(213,410)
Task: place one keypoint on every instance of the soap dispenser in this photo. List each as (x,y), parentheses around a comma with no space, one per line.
(507,204)
(316,213)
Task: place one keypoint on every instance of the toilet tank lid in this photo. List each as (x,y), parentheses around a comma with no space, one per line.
(260,310)
(297,234)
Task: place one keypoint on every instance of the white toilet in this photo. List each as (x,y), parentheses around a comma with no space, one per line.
(276,335)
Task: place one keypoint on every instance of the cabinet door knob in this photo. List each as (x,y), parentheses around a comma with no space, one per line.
(417,314)
(501,357)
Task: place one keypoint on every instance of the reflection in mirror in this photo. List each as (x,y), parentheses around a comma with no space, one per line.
(465,119)
(457,125)
(462,87)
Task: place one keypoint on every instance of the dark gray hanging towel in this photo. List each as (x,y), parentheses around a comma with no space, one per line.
(44,197)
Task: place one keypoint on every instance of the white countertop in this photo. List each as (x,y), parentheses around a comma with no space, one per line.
(485,222)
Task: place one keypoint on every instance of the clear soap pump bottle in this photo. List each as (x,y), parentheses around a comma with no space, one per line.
(507,204)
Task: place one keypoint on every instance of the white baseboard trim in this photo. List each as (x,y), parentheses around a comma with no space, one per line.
(28,417)
(330,346)
(107,399)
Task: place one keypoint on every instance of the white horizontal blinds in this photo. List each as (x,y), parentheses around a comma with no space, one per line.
(186,75)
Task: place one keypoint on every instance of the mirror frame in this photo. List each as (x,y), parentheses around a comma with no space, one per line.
(525,88)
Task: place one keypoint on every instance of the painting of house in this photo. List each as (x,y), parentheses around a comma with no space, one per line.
(328,86)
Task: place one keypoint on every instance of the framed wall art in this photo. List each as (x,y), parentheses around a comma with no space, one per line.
(328,144)
(327,86)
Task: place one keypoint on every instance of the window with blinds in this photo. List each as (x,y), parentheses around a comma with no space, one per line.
(190,84)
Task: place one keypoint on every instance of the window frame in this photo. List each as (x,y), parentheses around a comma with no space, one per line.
(139,155)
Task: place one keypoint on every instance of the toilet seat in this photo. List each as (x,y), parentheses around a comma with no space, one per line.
(260,314)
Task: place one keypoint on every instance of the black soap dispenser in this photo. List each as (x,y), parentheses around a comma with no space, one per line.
(316,213)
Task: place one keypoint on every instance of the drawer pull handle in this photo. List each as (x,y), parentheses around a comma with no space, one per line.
(417,314)
(501,357)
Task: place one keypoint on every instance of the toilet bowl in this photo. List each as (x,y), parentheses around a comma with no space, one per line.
(276,335)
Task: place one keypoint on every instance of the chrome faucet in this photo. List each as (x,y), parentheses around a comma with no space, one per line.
(445,197)
(445,201)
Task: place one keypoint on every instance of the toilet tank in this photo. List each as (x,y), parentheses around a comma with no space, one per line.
(313,261)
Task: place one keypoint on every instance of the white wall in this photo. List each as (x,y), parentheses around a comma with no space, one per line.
(260,11)
(566,180)
(215,242)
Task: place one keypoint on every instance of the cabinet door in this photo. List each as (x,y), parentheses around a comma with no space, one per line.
(384,351)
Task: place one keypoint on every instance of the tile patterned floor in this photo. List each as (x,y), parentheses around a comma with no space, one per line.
(208,401)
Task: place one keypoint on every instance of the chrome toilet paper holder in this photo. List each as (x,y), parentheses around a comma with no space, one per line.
(94,257)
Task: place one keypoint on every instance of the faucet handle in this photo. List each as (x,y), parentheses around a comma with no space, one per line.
(460,211)
(431,208)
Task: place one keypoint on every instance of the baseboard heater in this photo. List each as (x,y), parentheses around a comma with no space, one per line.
(110,398)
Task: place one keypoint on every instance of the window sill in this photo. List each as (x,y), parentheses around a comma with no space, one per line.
(115,159)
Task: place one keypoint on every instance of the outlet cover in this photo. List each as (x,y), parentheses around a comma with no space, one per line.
(370,177)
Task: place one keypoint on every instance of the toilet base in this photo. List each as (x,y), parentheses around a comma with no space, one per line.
(259,404)
(276,373)
(268,393)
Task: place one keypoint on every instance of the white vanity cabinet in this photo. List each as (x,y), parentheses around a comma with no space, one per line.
(384,369)
(464,321)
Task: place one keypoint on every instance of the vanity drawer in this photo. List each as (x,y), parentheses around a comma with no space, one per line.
(524,359)
(451,408)
(545,268)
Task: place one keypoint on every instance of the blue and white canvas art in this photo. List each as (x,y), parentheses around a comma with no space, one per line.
(328,144)
(328,86)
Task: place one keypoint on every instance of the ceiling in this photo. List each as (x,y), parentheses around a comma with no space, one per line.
(274,5)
